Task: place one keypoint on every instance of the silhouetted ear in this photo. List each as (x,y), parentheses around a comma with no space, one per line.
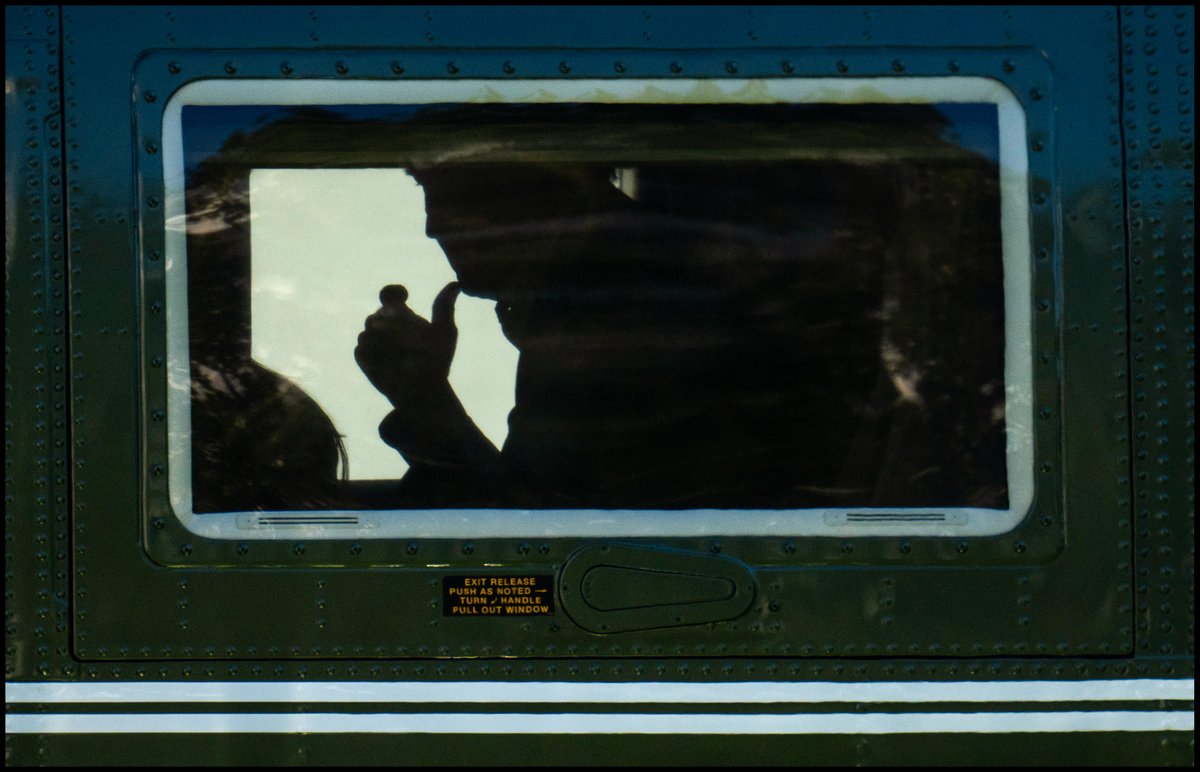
(443,308)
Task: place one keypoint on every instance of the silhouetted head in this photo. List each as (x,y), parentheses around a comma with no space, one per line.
(508,229)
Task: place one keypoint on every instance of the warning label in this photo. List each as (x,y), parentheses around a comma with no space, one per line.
(497,596)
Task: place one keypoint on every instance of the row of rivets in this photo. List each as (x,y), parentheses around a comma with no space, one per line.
(508,67)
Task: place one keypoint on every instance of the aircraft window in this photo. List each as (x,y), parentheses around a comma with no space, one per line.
(435,316)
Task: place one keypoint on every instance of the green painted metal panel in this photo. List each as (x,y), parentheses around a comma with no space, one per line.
(102,585)
(1008,594)
(36,366)
(1080,749)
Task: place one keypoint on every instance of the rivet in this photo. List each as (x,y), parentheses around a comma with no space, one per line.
(619,66)
(731,67)
(230,68)
(285,68)
(1038,145)
(158,523)
(151,148)
(963,547)
(1035,94)
(411,548)
(186,549)
(787,67)
(953,65)
(150,96)
(1008,66)
(242,549)
(509,68)
(298,549)
(341,68)
(564,68)
(468,548)
(1018,546)
(1043,305)
(397,68)
(676,67)
(156,361)
(842,66)
(152,202)
(897,65)
(173,68)
(1045,412)
(158,415)
(157,470)
(452,68)
(156,254)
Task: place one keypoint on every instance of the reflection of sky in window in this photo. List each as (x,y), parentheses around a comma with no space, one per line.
(208,127)
(323,243)
(974,126)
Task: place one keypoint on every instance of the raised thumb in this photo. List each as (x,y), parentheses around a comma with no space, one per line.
(443,309)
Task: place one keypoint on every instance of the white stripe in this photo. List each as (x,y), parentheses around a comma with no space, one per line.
(591,723)
(557,692)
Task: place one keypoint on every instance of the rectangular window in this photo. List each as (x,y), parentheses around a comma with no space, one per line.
(598,308)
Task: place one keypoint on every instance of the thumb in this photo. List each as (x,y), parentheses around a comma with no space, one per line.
(443,309)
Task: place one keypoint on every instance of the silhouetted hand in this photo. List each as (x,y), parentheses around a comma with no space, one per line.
(408,360)
(404,356)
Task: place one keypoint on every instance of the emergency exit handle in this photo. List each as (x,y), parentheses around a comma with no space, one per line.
(612,588)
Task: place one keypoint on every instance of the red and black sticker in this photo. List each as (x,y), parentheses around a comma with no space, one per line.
(497,596)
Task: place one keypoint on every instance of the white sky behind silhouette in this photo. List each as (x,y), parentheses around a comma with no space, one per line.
(323,243)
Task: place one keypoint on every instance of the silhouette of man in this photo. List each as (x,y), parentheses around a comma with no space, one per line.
(725,334)
(668,346)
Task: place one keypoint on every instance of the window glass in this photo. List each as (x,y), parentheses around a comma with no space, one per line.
(589,314)
(303,325)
